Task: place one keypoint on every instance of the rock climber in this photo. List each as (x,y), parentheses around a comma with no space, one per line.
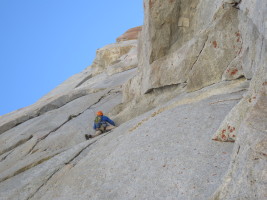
(102,124)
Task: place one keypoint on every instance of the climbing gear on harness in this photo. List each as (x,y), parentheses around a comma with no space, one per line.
(100,125)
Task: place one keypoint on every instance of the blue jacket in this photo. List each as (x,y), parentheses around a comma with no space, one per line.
(105,119)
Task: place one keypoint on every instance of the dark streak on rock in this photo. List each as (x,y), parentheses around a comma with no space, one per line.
(84,80)
(27,167)
(199,54)
(46,181)
(20,142)
(6,156)
(238,149)
(77,155)
(31,196)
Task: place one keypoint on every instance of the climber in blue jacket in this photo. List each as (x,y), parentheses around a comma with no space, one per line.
(102,124)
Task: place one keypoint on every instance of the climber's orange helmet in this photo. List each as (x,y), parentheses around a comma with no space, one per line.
(99,113)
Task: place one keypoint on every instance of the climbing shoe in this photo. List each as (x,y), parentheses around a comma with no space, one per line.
(87,137)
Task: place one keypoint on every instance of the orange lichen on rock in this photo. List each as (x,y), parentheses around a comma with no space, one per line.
(237,34)
(215,44)
(234,71)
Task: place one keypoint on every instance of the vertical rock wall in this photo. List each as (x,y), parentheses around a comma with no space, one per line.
(200,43)
(246,178)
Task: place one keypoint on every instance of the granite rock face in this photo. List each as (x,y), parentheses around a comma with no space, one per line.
(113,54)
(189,95)
(131,34)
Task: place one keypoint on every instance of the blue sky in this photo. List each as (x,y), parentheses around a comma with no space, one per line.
(44,42)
